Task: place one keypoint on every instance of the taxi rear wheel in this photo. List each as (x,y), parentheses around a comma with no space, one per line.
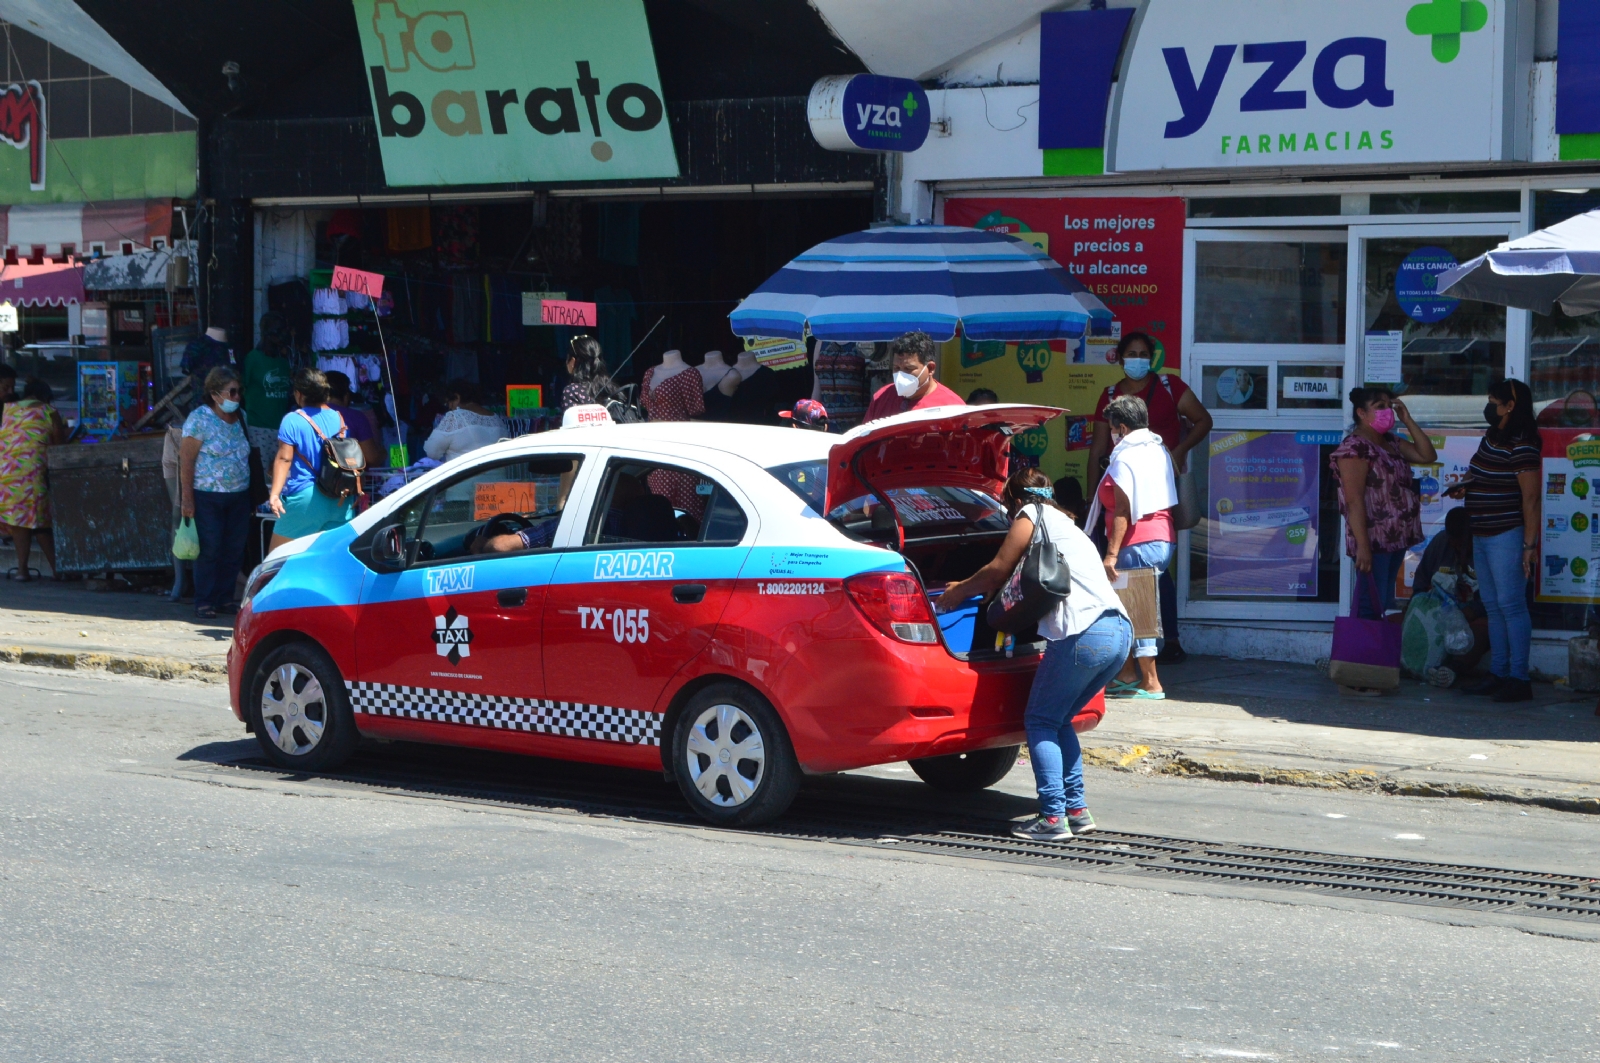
(966,772)
(299,710)
(732,758)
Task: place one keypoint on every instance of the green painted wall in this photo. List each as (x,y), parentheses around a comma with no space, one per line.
(99,169)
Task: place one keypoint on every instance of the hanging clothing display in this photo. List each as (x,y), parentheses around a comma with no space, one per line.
(505,308)
(409,229)
(616,313)
(329,301)
(466,308)
(455,235)
(842,382)
(758,399)
(330,334)
(619,233)
(460,364)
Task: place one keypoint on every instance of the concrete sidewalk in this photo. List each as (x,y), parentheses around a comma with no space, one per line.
(67,625)
(1249,721)
(1258,721)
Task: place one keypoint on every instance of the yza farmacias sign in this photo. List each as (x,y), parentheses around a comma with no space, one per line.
(495,91)
(1235,83)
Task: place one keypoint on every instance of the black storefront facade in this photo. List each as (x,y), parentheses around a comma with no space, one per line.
(292,141)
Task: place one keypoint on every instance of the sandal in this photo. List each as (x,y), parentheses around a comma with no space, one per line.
(205,612)
(1118,689)
(1141,694)
(29,577)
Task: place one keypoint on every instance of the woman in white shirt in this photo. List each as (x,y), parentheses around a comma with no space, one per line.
(466,427)
(1089,637)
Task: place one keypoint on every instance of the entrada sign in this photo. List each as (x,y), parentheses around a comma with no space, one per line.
(1360,81)
(497,91)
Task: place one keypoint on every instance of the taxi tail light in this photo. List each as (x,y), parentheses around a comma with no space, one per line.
(895,604)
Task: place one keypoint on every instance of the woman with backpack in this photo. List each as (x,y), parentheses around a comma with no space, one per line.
(306,496)
(589,382)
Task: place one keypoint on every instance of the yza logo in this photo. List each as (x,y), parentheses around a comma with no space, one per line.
(441,41)
(1197,98)
(643,564)
(22,126)
(452,636)
(880,115)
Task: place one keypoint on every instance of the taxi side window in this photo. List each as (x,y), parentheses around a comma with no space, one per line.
(512,507)
(644,502)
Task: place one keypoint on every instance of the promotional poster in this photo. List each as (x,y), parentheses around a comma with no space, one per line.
(1129,253)
(1455,450)
(1567,568)
(1263,506)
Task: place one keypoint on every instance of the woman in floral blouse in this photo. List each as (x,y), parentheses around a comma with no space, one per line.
(1382,511)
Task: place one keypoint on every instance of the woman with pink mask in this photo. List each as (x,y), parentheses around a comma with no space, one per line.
(1381,507)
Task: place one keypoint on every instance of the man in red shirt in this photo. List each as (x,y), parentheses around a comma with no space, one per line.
(915,386)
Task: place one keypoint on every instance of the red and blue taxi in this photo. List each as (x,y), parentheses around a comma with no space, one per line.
(735,606)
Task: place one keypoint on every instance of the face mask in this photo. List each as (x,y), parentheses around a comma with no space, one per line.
(1136,368)
(1491,414)
(229,405)
(906,384)
(1381,421)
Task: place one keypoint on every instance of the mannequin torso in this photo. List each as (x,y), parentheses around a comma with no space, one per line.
(672,364)
(746,366)
(712,370)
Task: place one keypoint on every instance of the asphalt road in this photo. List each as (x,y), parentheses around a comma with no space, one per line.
(158,906)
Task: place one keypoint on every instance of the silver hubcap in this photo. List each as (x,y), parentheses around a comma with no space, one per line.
(725,756)
(293,709)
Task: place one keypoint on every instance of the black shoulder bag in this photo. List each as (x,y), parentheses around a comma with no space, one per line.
(1039,583)
(342,462)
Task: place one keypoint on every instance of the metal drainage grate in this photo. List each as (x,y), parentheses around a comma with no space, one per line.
(1409,881)
(638,796)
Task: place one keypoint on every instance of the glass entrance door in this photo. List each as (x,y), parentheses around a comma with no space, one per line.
(1438,355)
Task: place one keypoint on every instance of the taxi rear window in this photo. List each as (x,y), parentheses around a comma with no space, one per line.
(923,511)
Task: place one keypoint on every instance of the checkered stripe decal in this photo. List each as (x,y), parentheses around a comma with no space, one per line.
(538,715)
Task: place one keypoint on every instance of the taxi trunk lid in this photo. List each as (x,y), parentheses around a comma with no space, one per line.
(946,446)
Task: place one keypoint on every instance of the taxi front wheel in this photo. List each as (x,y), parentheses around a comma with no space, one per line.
(299,710)
(732,757)
(966,773)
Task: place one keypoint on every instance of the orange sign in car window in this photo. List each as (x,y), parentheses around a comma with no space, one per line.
(505,496)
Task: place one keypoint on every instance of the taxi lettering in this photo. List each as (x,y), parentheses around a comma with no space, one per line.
(642,564)
(627,625)
(456,579)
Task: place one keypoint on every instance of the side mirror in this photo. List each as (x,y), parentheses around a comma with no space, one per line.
(389,547)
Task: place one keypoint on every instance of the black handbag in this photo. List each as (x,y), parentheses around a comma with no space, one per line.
(1039,583)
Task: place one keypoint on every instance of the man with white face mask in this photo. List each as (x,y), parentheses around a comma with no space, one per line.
(916,385)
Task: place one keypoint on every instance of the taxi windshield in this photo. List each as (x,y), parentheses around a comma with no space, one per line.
(924,512)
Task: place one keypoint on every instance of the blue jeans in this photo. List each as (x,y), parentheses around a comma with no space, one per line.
(1504,590)
(1154,555)
(1386,565)
(222,521)
(1073,670)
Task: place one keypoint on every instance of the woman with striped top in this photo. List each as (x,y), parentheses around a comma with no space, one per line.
(1502,493)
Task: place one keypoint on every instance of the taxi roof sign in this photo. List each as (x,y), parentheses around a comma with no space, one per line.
(590,416)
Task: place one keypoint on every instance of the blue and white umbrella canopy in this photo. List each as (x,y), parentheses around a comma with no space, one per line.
(1560,264)
(878,284)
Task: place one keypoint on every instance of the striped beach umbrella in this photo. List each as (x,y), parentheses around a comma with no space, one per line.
(878,284)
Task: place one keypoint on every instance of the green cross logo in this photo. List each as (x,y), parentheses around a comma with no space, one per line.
(1445,21)
(909,104)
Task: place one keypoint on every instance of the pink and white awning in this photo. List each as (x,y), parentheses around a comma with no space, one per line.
(52,284)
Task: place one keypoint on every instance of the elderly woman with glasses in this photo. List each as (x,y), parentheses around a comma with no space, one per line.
(214,483)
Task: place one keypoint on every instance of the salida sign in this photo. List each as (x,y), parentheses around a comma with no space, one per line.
(498,91)
(1359,81)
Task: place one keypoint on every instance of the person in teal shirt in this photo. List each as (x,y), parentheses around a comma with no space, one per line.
(294,499)
(267,373)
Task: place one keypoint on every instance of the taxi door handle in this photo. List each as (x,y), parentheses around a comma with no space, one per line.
(513,596)
(689,593)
